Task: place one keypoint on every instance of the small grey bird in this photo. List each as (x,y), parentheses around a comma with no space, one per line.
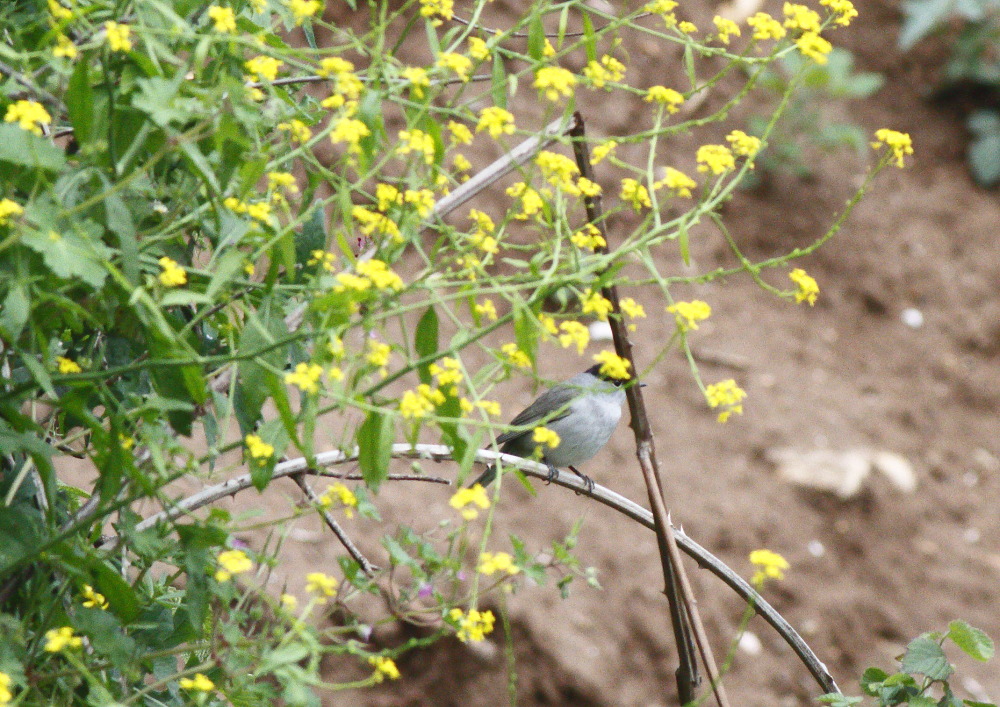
(586,411)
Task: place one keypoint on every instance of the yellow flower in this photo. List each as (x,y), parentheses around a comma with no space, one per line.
(554,81)
(814,47)
(263,68)
(589,237)
(118,36)
(613,365)
(496,121)
(58,639)
(371,222)
(543,436)
(558,170)
(632,309)
(765,26)
(687,27)
(515,356)
(232,562)
(92,599)
(67,366)
(437,9)
(299,131)
(282,180)
(416,141)
(305,377)
(743,144)
(665,96)
(422,199)
(64,47)
(8,209)
(302,9)
(635,194)
(59,12)
(608,69)
(322,585)
(340,493)
(531,200)
(200,683)
(289,601)
(587,187)
(472,626)
(678,183)
(490,407)
(808,290)
(548,325)
(387,196)
(478,49)
(574,333)
(448,373)
(725,394)
(173,275)
(460,133)
(384,668)
(334,66)
(491,563)
(688,314)
(663,8)
(349,131)
(597,304)
(717,159)
(801,17)
(224,19)
(465,501)
(258,448)
(418,78)
(420,403)
(260,211)
(900,143)
(5,694)
(380,275)
(726,29)
(843,9)
(486,309)
(458,63)
(603,150)
(378,354)
(28,115)
(770,565)
(548,51)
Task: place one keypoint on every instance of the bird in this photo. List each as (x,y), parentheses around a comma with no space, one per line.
(583,411)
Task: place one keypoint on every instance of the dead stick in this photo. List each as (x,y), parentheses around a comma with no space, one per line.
(367,567)
(673,568)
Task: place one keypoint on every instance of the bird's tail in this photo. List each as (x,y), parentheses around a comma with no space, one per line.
(486,478)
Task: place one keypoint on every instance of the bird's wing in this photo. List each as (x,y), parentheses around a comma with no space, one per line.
(555,398)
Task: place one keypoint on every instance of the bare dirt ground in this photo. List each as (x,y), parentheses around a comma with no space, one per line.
(869,573)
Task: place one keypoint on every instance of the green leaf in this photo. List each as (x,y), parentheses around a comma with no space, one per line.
(200,164)
(14,312)
(19,147)
(157,99)
(835,700)
(975,643)
(872,679)
(499,82)
(71,256)
(122,599)
(374,440)
(80,102)
(525,333)
(536,37)
(926,657)
(683,243)
(426,341)
(227,267)
(589,38)
(921,701)
(312,237)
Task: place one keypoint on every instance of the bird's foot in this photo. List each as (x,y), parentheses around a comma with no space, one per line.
(552,475)
(588,482)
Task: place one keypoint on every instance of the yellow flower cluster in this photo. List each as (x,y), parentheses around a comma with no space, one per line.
(173,275)
(806,20)
(717,159)
(322,585)
(664,96)
(663,8)
(597,304)
(460,133)
(118,36)
(339,493)
(770,565)
(263,68)
(728,395)
(496,121)
(574,333)
(482,236)
(5,693)
(59,13)
(807,290)
(725,28)
(490,407)
(515,356)
(843,9)
(437,10)
(223,18)
(303,9)
(259,211)
(67,366)
(418,80)
(422,200)
(370,223)
(199,683)
(9,208)
(602,150)
(378,354)
(64,48)
(765,26)
(631,308)
(421,402)
(29,115)
(554,81)
(232,562)
(299,131)
(635,194)
(449,373)
(416,141)
(305,377)
(613,365)
(258,449)
(814,47)
(743,144)
(588,238)
(371,273)
(688,314)
(558,170)
(282,180)
(531,201)
(493,562)
(478,49)
(472,626)
(486,308)
(900,143)
(349,131)
(466,501)
(92,599)
(384,668)
(599,73)
(323,259)
(459,63)
(676,182)
(544,437)
(59,639)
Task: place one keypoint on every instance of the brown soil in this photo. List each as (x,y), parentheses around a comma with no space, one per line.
(846,373)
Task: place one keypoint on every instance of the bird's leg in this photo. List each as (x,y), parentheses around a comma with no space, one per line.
(586,479)
(553,474)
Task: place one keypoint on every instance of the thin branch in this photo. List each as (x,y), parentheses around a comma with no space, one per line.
(367,567)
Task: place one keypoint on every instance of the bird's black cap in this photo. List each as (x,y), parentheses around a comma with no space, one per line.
(596,372)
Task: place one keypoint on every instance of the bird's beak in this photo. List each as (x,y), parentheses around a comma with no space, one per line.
(642,385)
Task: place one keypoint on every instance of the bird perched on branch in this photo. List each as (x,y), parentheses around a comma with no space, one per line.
(583,411)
